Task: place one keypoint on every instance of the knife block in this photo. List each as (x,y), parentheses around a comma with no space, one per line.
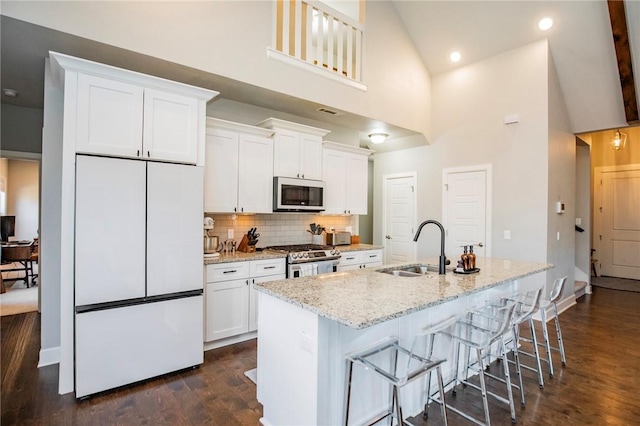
(244,245)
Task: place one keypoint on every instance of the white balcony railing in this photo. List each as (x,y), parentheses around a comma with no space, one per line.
(319,36)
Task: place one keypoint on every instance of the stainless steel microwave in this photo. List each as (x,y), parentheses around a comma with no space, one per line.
(297,195)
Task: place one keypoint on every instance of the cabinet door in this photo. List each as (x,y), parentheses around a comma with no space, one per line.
(170,127)
(371,258)
(255,174)
(334,174)
(227,311)
(221,172)
(286,154)
(357,188)
(310,157)
(254,298)
(110,230)
(109,117)
(350,260)
(174,228)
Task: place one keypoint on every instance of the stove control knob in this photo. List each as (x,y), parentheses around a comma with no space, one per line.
(294,255)
(337,252)
(305,255)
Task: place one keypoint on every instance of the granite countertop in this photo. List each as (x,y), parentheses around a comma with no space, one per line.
(239,256)
(358,247)
(362,298)
(259,255)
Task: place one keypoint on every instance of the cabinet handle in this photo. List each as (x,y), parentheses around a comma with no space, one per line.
(269,267)
(364,266)
(242,209)
(230,272)
(235,209)
(345,212)
(247,282)
(302,176)
(373,255)
(350,258)
(138,153)
(148,154)
(298,175)
(349,211)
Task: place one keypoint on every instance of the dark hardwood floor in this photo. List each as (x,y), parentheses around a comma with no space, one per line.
(599,386)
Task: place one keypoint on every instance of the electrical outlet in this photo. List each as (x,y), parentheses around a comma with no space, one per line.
(230,233)
(507,234)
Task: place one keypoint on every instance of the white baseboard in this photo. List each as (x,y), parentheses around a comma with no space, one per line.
(230,340)
(49,356)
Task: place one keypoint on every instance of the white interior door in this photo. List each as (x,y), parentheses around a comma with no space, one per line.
(174,228)
(466,215)
(619,222)
(110,230)
(400,218)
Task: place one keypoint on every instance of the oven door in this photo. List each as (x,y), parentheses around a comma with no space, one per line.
(298,270)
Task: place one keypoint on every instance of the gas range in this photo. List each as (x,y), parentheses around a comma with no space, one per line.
(303,253)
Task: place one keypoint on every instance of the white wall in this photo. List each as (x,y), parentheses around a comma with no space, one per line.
(230,38)
(468,109)
(50,236)
(583,209)
(23,197)
(21,128)
(562,186)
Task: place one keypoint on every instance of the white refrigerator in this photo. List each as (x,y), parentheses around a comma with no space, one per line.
(138,271)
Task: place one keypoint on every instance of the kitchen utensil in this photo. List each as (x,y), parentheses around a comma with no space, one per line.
(211,244)
(313,228)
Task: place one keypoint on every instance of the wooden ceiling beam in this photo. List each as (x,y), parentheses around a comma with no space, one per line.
(618,19)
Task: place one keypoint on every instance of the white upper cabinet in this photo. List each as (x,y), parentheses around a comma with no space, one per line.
(170,127)
(122,113)
(345,173)
(238,168)
(297,151)
(109,117)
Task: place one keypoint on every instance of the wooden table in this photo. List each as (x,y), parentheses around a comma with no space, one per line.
(20,252)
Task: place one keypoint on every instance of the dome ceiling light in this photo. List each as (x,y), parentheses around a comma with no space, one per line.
(378,137)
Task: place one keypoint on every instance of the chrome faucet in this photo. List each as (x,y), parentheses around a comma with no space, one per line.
(442,260)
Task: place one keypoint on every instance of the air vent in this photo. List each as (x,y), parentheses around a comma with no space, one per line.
(328,111)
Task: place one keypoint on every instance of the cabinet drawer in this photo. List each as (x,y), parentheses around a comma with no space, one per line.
(227,271)
(371,256)
(263,268)
(350,258)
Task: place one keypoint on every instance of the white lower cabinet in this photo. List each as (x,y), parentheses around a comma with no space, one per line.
(360,259)
(231,300)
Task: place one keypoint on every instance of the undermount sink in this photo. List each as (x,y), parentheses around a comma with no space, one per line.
(410,270)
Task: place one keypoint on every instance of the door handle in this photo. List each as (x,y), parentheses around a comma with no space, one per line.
(388,237)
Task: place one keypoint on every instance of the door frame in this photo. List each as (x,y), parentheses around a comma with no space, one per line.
(487,168)
(598,173)
(385,179)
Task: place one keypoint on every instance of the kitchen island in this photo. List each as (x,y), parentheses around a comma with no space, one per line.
(307,325)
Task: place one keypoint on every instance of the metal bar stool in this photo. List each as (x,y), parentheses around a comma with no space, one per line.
(526,304)
(480,330)
(419,363)
(554,297)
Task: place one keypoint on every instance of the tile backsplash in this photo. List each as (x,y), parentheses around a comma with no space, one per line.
(278,228)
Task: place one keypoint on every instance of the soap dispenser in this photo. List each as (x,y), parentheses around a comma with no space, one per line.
(472,258)
(464,257)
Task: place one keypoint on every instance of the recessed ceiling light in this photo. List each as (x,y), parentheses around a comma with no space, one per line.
(10,93)
(545,23)
(455,56)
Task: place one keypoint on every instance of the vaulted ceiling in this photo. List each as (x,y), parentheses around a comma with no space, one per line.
(581,44)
